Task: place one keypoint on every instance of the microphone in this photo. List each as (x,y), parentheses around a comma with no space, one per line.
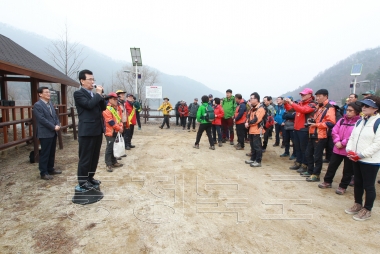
(95,88)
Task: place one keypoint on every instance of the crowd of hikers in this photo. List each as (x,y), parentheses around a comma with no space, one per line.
(313,129)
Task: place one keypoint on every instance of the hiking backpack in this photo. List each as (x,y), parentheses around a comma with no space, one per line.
(209,114)
(375,126)
(268,120)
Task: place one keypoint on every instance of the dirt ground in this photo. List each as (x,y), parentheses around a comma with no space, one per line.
(171,198)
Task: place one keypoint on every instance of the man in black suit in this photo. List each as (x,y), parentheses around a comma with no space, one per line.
(90,128)
(47,127)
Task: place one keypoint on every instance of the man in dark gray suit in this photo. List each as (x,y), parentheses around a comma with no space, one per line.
(47,127)
(90,128)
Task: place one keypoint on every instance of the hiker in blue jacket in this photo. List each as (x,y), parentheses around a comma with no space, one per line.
(278,120)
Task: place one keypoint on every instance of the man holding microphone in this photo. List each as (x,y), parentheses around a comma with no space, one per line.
(89,106)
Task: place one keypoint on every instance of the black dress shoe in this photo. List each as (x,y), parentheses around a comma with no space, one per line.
(47,177)
(87,186)
(94,181)
(55,172)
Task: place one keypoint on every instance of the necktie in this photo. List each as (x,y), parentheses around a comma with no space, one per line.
(51,113)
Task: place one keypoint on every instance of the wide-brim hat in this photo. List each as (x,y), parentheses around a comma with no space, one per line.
(120,91)
(166,98)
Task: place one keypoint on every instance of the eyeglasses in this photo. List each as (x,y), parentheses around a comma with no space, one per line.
(91,79)
(365,106)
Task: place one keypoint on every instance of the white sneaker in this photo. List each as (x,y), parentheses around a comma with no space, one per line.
(255,164)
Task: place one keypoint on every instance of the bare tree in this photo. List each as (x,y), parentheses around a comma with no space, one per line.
(67,56)
(127,80)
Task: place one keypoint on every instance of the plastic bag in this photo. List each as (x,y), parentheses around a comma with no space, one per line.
(118,146)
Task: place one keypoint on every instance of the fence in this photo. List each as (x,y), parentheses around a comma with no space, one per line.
(146,114)
(21,119)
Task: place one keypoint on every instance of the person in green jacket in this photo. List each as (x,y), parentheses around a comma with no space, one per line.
(137,106)
(204,124)
(229,107)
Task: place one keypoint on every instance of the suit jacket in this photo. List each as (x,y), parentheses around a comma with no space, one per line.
(46,121)
(89,113)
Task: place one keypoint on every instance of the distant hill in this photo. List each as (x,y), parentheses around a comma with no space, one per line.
(104,67)
(337,78)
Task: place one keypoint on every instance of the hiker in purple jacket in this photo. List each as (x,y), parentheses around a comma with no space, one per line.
(341,134)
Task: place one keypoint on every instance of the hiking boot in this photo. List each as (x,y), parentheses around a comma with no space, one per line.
(160,127)
(255,164)
(117,165)
(239,148)
(249,154)
(275,144)
(220,144)
(352,182)
(284,155)
(232,143)
(313,178)
(212,147)
(196,146)
(224,140)
(326,161)
(292,157)
(354,209)
(302,169)
(340,191)
(109,168)
(249,162)
(362,215)
(324,185)
(295,166)
(305,174)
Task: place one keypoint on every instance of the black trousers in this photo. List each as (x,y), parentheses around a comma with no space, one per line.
(279,128)
(109,156)
(191,120)
(256,149)
(129,135)
(265,139)
(183,121)
(365,178)
(329,147)
(89,151)
(138,119)
(288,136)
(240,133)
(348,170)
(314,155)
(166,121)
(47,155)
(301,139)
(204,127)
(177,119)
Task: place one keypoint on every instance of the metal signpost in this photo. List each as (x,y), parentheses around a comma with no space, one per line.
(356,70)
(136,61)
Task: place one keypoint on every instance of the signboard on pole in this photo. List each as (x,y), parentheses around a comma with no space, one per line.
(153,92)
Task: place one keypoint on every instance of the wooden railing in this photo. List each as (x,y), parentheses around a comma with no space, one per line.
(146,115)
(12,116)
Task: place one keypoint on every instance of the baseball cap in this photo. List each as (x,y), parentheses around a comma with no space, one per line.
(129,95)
(307,91)
(120,91)
(369,92)
(112,94)
(370,103)
(210,96)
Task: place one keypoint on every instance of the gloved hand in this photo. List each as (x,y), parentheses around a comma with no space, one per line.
(354,156)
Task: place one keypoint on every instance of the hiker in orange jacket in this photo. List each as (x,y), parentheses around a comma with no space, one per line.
(240,117)
(253,122)
(114,124)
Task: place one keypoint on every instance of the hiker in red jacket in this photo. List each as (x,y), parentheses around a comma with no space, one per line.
(217,123)
(304,110)
(183,113)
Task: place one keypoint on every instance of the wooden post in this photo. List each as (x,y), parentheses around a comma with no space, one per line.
(65,119)
(60,142)
(3,88)
(73,123)
(35,140)
(33,90)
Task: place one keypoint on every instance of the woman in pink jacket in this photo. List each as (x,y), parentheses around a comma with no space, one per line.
(340,135)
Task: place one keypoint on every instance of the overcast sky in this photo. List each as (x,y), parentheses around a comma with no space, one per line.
(270,46)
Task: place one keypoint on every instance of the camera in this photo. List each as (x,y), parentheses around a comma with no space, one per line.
(309,122)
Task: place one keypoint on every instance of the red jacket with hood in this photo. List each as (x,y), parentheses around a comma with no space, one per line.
(304,110)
